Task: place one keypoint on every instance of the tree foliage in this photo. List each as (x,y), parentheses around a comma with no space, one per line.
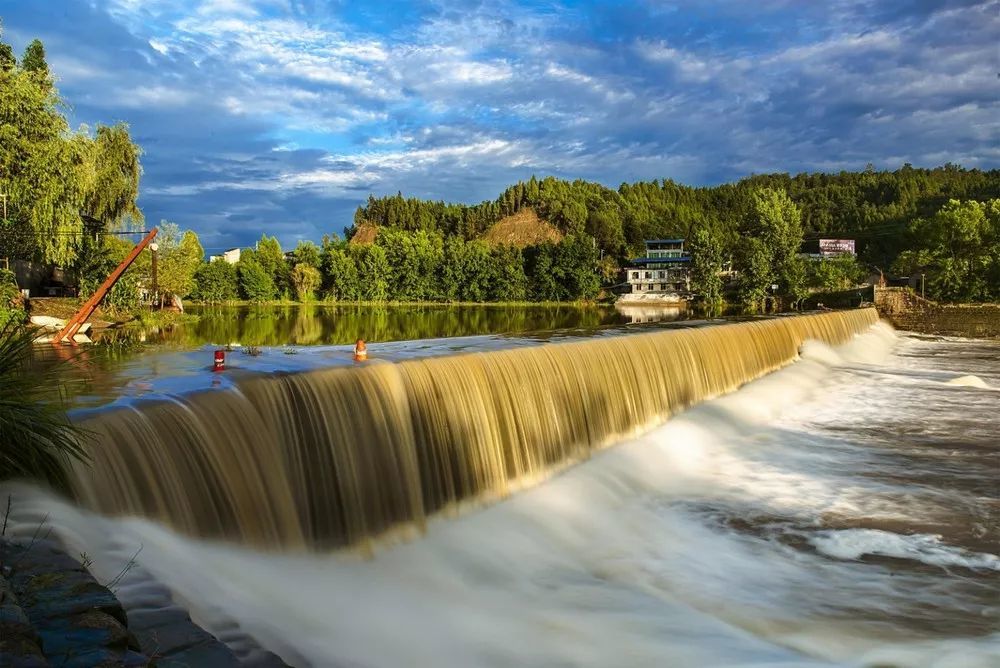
(179,257)
(256,284)
(706,265)
(56,179)
(305,279)
(958,248)
(768,253)
(216,282)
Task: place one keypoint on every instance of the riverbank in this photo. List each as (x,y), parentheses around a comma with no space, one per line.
(909,312)
(65,308)
(397,303)
(54,612)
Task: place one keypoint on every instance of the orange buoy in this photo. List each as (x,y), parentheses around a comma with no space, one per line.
(360,351)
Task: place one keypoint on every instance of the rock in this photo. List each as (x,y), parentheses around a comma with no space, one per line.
(77,621)
(19,646)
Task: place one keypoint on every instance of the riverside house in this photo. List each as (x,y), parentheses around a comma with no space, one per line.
(664,272)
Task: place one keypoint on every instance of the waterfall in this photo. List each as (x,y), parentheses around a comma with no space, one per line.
(333,457)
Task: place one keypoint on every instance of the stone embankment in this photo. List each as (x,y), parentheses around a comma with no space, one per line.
(908,311)
(54,613)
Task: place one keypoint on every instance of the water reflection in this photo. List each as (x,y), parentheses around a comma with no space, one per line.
(319,324)
(636,314)
(131,362)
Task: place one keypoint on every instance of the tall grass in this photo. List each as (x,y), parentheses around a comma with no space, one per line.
(37,438)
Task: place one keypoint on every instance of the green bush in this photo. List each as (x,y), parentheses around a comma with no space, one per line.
(10,300)
(123,297)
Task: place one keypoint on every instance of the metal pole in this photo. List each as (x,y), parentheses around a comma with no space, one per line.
(155,291)
(922,296)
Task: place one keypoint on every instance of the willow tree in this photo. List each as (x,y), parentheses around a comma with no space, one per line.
(51,176)
(112,192)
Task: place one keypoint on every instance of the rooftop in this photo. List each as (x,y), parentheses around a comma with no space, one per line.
(660,260)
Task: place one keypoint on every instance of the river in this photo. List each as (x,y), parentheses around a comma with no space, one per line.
(844,510)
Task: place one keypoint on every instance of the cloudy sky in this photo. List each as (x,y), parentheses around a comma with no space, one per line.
(281,116)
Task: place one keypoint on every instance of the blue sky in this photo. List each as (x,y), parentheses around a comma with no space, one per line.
(281,116)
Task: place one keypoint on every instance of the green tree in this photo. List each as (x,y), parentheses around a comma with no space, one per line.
(575,267)
(7,60)
(54,177)
(373,272)
(270,256)
(510,283)
(113,187)
(451,271)
(478,272)
(957,248)
(341,275)
(774,221)
(256,283)
(836,273)
(756,272)
(305,279)
(414,259)
(179,256)
(539,266)
(306,252)
(216,282)
(34,59)
(706,265)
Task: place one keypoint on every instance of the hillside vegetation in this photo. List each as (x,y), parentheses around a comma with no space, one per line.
(877,208)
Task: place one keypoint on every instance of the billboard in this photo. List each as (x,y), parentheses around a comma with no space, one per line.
(836,246)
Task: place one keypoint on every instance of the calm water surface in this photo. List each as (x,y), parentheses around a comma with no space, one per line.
(131,362)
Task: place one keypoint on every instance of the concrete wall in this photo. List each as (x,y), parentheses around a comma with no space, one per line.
(908,311)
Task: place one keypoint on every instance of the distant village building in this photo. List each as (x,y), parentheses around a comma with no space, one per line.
(663,272)
(232,256)
(823,249)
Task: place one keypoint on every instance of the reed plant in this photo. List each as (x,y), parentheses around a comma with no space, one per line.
(37,439)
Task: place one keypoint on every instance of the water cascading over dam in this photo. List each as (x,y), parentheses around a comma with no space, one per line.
(327,458)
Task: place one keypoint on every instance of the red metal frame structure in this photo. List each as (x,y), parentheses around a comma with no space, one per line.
(87,309)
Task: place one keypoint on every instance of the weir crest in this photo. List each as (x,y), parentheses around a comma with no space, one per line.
(327,458)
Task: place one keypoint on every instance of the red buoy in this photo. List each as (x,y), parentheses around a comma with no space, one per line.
(220,360)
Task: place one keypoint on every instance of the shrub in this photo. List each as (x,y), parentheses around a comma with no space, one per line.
(36,437)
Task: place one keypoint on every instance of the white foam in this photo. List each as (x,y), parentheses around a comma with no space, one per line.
(969,381)
(852,544)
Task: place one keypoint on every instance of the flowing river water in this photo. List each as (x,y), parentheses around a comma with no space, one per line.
(843,509)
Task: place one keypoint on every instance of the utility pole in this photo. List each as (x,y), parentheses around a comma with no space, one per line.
(153,247)
(4,196)
(922,296)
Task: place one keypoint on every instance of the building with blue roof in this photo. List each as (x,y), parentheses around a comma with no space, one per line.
(663,272)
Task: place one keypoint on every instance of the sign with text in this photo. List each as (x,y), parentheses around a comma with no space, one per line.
(836,246)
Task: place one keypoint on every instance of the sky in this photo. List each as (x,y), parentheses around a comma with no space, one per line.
(281,116)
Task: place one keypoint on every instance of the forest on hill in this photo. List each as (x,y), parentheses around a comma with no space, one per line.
(943,222)
(877,208)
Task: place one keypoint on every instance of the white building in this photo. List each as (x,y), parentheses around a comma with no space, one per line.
(232,256)
(663,271)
